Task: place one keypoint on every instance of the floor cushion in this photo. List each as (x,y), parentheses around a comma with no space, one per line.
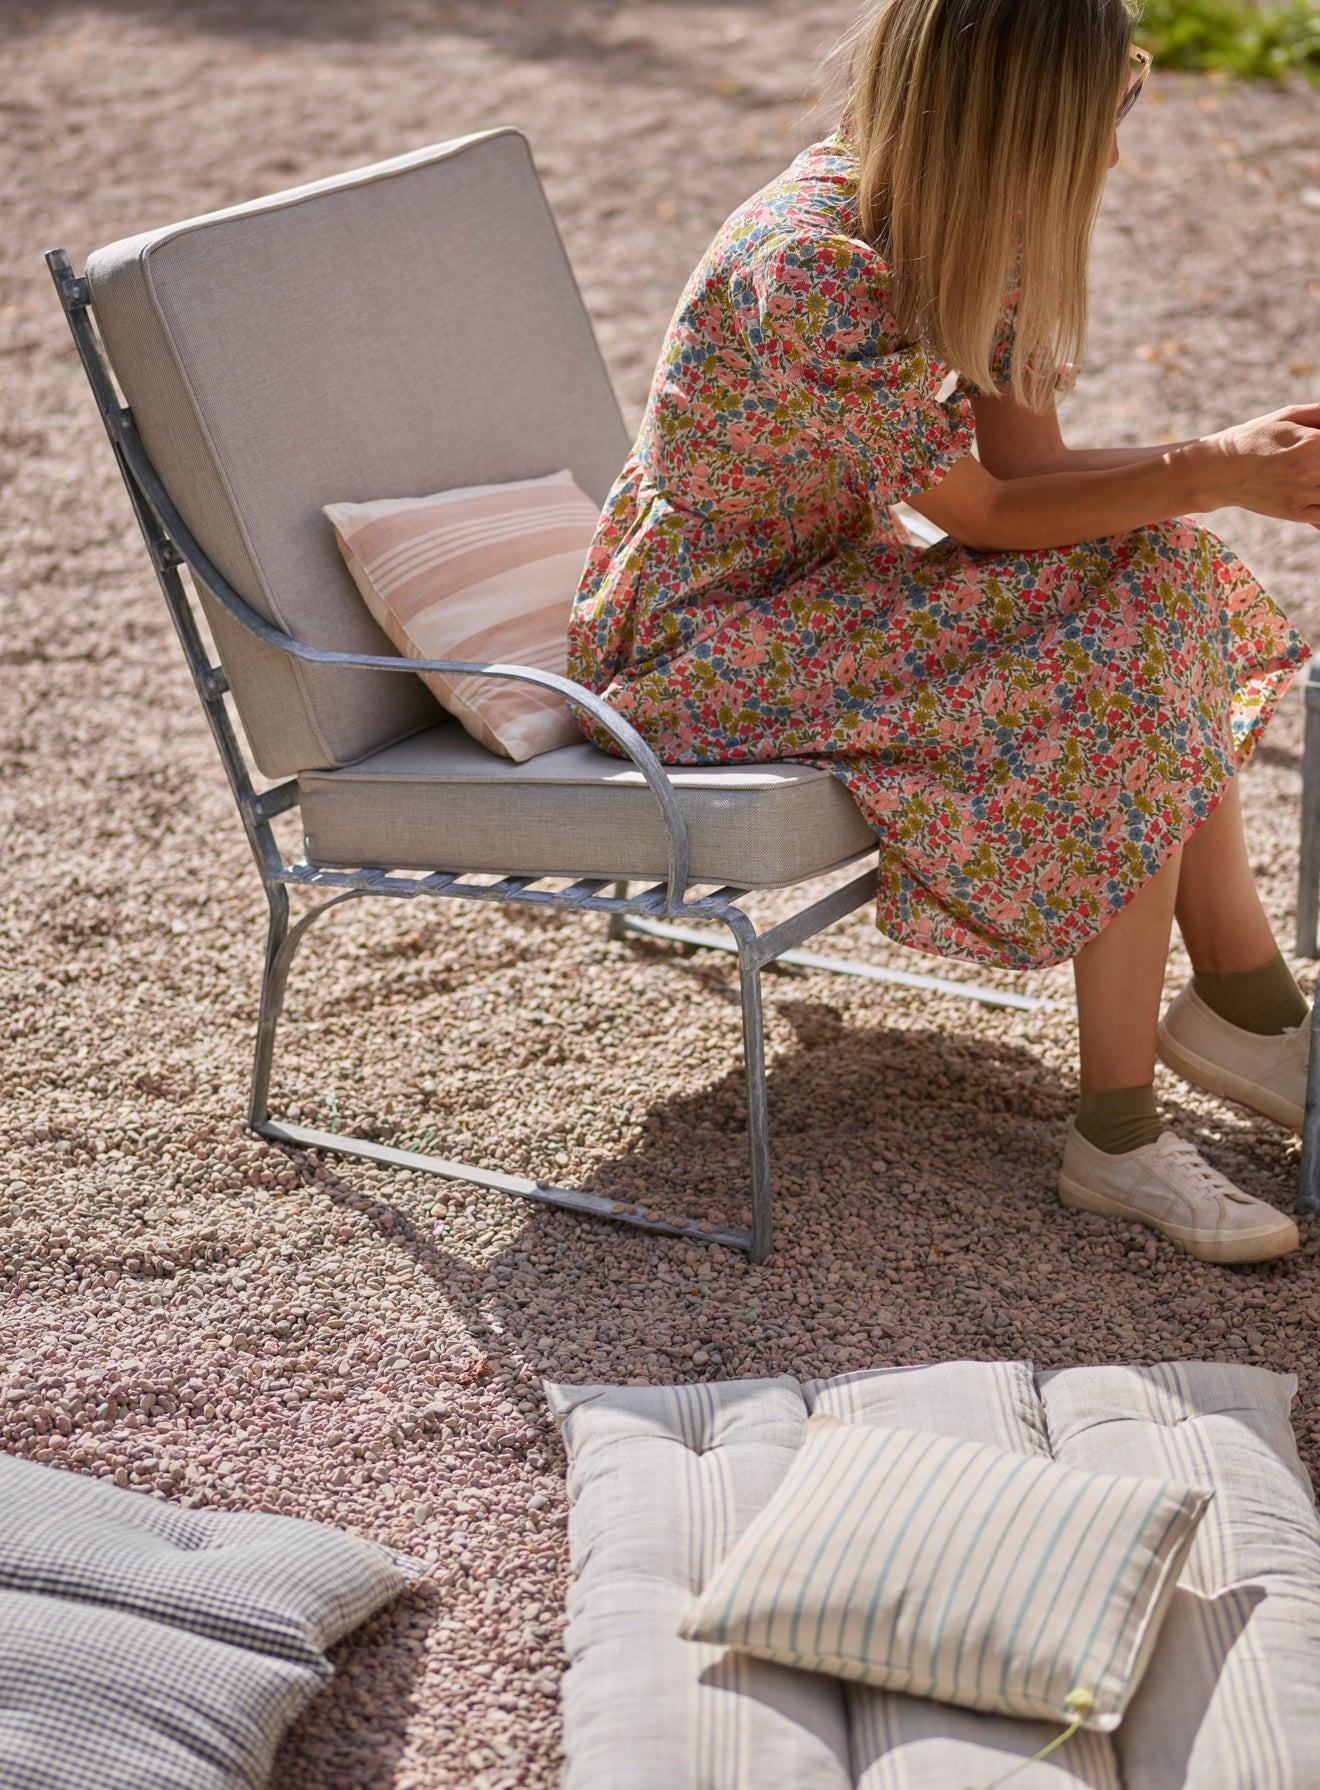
(144,1646)
(665,1479)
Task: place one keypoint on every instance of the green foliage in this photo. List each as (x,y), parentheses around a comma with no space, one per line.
(1263,41)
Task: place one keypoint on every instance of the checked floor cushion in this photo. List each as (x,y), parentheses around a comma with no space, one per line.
(146,1647)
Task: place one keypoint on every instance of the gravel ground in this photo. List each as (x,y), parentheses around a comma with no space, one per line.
(203,1317)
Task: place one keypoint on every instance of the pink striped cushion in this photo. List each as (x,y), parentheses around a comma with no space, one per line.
(488,573)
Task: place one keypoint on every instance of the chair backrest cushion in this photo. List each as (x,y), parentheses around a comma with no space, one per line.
(407,327)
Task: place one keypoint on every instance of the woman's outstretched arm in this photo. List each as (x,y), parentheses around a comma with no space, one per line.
(1029,490)
(1013,442)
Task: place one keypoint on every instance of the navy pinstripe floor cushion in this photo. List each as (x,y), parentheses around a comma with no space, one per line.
(665,1480)
(145,1647)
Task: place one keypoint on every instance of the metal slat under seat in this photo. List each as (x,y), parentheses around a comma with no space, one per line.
(979,993)
(582,897)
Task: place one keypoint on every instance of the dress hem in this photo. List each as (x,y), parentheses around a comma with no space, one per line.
(997,959)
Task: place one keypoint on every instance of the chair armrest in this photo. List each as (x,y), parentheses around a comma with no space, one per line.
(124,434)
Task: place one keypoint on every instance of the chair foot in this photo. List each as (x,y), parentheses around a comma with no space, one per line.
(568,1199)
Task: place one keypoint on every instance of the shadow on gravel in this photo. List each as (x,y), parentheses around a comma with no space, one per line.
(912,1125)
(581,34)
(1285,757)
(389,1663)
(913,1171)
(873,1109)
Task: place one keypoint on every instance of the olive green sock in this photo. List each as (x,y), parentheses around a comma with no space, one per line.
(1265,1001)
(1119,1119)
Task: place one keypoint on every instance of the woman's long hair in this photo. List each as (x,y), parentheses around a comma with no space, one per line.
(982,130)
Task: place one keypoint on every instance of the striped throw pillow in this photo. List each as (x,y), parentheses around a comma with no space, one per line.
(485,573)
(917,1562)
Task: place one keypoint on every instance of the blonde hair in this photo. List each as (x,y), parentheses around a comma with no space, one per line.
(982,130)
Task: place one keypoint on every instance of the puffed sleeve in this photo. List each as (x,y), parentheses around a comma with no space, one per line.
(814,310)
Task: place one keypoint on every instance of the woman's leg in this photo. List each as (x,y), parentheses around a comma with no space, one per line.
(1239,1028)
(1120,986)
(1118,1159)
(1218,908)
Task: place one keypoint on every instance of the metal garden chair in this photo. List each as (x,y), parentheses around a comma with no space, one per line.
(408,328)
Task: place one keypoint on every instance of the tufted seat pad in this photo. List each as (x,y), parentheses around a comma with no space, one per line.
(665,1478)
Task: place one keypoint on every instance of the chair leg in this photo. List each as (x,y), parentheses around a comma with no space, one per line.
(1308,1193)
(274,975)
(281,943)
(1308,864)
(618,924)
(758,1116)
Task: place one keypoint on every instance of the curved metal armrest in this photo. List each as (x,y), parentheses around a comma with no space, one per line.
(626,737)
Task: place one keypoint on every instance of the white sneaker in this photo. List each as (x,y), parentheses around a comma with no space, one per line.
(1267,1074)
(1171,1187)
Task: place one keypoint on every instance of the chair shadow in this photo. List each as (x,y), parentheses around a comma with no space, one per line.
(867,1101)
(879,1098)
(864,1095)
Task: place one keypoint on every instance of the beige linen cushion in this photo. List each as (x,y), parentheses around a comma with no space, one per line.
(921,1563)
(665,1481)
(405,327)
(488,573)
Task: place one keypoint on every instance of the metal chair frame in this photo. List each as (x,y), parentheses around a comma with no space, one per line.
(653,910)
(1308,932)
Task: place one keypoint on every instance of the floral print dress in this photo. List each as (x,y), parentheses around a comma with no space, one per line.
(1030,733)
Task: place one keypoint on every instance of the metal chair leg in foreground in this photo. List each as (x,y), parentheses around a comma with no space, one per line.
(1308,925)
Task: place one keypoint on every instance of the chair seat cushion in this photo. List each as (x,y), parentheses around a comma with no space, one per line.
(440,801)
(666,1480)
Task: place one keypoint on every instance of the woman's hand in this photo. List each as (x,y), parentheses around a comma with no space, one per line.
(1270,465)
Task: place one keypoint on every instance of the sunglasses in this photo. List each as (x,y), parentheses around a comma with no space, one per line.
(1139,62)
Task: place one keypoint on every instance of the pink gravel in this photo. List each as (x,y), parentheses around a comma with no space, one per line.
(202,1317)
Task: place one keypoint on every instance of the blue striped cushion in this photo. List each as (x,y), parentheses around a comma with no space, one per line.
(917,1562)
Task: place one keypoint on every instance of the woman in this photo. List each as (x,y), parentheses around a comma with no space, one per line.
(1041,717)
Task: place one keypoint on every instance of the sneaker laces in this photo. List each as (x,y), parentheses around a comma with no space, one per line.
(1193,1163)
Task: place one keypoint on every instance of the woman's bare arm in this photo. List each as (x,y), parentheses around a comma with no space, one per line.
(1013,442)
(1029,490)
(1054,509)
